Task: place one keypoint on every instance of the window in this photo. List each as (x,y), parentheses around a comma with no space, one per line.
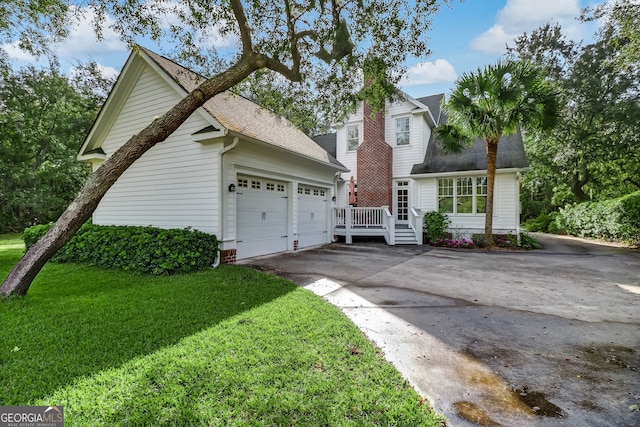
(281,188)
(255,184)
(463,195)
(271,186)
(402,194)
(243,183)
(353,137)
(481,194)
(402,131)
(445,195)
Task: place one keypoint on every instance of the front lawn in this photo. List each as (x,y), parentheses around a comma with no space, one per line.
(229,346)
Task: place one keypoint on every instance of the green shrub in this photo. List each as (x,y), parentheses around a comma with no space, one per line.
(508,241)
(436,224)
(139,249)
(615,219)
(540,223)
(31,235)
(480,240)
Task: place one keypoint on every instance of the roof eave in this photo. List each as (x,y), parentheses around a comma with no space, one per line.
(467,173)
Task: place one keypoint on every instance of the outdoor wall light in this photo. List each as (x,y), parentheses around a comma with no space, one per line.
(232,188)
(333,199)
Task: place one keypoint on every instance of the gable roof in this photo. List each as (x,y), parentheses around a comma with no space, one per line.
(434,103)
(235,113)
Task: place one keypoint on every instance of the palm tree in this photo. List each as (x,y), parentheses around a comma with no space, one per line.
(493,102)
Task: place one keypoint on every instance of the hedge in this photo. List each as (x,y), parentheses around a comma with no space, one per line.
(616,219)
(139,249)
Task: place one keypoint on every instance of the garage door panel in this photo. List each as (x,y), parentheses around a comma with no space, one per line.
(262,220)
(312,216)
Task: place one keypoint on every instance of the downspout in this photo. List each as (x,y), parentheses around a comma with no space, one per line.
(334,203)
(225,150)
(519,204)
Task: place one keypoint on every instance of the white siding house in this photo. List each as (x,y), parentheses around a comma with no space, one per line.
(426,179)
(232,169)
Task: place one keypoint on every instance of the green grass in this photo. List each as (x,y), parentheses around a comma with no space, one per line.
(229,346)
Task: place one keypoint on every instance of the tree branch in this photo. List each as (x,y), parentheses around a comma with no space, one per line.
(291,33)
(243,26)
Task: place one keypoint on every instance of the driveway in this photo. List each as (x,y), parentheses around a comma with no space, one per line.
(543,338)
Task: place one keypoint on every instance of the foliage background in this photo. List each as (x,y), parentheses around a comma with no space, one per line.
(44,117)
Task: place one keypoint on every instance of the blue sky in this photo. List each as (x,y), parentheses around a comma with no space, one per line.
(465,36)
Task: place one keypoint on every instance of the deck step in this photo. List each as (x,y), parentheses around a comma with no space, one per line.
(405,236)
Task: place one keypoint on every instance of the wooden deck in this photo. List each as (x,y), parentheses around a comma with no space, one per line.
(356,221)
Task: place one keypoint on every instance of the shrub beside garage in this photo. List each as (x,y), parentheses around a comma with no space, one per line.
(146,250)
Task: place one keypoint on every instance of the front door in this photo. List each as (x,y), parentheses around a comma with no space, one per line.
(402,202)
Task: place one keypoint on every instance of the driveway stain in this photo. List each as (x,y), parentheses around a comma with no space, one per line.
(538,403)
(471,412)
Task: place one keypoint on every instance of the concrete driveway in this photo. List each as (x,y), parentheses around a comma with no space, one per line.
(543,338)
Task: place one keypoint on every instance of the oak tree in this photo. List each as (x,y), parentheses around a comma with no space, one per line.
(327,39)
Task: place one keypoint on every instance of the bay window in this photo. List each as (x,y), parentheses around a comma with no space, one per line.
(467,195)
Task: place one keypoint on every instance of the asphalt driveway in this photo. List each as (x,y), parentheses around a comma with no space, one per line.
(543,338)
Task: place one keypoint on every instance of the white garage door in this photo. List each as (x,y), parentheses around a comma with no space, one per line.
(312,216)
(261,216)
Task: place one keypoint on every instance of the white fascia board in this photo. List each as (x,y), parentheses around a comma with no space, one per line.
(205,137)
(466,173)
(90,157)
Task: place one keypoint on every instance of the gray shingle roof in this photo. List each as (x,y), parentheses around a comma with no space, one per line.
(510,149)
(328,142)
(243,116)
(434,103)
(510,155)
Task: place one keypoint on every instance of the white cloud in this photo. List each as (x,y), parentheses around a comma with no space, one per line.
(493,40)
(519,16)
(424,73)
(108,72)
(207,37)
(82,40)
(18,54)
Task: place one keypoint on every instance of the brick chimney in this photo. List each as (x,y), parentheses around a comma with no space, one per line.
(375,166)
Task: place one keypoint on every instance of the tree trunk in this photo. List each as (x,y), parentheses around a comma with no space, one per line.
(577,184)
(492,155)
(85,203)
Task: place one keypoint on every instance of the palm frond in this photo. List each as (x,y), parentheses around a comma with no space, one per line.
(451,138)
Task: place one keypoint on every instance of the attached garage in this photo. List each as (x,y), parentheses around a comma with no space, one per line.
(232,169)
(262,219)
(313,216)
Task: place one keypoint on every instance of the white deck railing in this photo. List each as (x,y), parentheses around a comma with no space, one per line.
(353,221)
(416,223)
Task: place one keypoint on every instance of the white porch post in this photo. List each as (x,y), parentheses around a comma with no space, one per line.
(348,222)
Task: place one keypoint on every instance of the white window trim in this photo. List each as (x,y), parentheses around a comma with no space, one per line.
(455,196)
(395,129)
(346,131)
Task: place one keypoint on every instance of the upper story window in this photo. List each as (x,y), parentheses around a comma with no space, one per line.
(353,137)
(402,131)
(462,195)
